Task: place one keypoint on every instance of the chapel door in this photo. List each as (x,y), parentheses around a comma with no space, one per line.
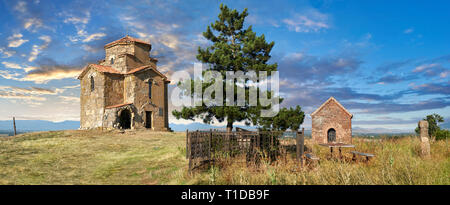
(148,119)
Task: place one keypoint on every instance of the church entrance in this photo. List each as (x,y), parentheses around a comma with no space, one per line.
(125,119)
(148,119)
(331,135)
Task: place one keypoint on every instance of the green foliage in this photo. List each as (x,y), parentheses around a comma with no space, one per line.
(442,134)
(290,118)
(433,126)
(234,48)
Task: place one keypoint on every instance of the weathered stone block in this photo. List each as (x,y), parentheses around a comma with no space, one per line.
(424,139)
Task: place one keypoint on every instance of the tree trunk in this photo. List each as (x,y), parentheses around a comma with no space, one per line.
(229,126)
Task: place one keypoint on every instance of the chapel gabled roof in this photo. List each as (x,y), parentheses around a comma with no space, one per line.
(127,39)
(99,68)
(108,69)
(326,102)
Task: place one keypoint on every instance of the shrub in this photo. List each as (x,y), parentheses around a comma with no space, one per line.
(442,134)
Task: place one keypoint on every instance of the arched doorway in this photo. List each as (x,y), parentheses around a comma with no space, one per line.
(125,119)
(331,135)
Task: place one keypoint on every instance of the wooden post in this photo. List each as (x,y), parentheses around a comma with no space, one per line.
(209,144)
(300,146)
(14,124)
(187,143)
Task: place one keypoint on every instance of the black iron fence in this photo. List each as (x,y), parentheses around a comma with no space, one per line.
(208,146)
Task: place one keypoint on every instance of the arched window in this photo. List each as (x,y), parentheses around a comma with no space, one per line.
(331,135)
(112,61)
(92,83)
(150,82)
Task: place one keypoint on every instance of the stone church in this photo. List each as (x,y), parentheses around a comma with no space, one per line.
(331,123)
(125,90)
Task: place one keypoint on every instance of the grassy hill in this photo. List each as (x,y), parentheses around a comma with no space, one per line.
(140,157)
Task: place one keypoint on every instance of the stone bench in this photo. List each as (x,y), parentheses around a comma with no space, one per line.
(367,155)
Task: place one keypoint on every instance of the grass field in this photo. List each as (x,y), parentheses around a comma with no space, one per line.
(139,157)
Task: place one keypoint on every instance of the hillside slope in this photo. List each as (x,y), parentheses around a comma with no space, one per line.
(142,157)
(93,157)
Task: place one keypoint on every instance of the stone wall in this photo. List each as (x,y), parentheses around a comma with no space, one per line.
(127,56)
(111,116)
(92,103)
(142,52)
(114,89)
(331,116)
(116,52)
(157,101)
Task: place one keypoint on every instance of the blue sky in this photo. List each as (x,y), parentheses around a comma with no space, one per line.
(388,62)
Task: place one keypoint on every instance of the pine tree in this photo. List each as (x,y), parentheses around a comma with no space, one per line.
(234,48)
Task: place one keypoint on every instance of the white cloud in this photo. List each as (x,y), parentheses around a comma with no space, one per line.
(71,86)
(6,53)
(38,49)
(296,56)
(30,90)
(78,19)
(9,75)
(409,30)
(80,25)
(56,74)
(69,99)
(16,40)
(91,49)
(17,66)
(310,21)
(425,66)
(9,95)
(93,37)
(31,23)
(11,65)
(21,6)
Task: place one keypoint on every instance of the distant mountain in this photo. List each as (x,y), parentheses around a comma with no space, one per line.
(360,130)
(6,127)
(37,125)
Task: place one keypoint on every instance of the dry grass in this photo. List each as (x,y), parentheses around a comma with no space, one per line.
(396,162)
(95,157)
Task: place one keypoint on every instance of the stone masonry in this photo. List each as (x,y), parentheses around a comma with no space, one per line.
(331,123)
(424,139)
(125,90)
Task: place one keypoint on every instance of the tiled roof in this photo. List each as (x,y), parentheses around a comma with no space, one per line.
(108,69)
(138,69)
(118,105)
(127,39)
(105,69)
(99,68)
